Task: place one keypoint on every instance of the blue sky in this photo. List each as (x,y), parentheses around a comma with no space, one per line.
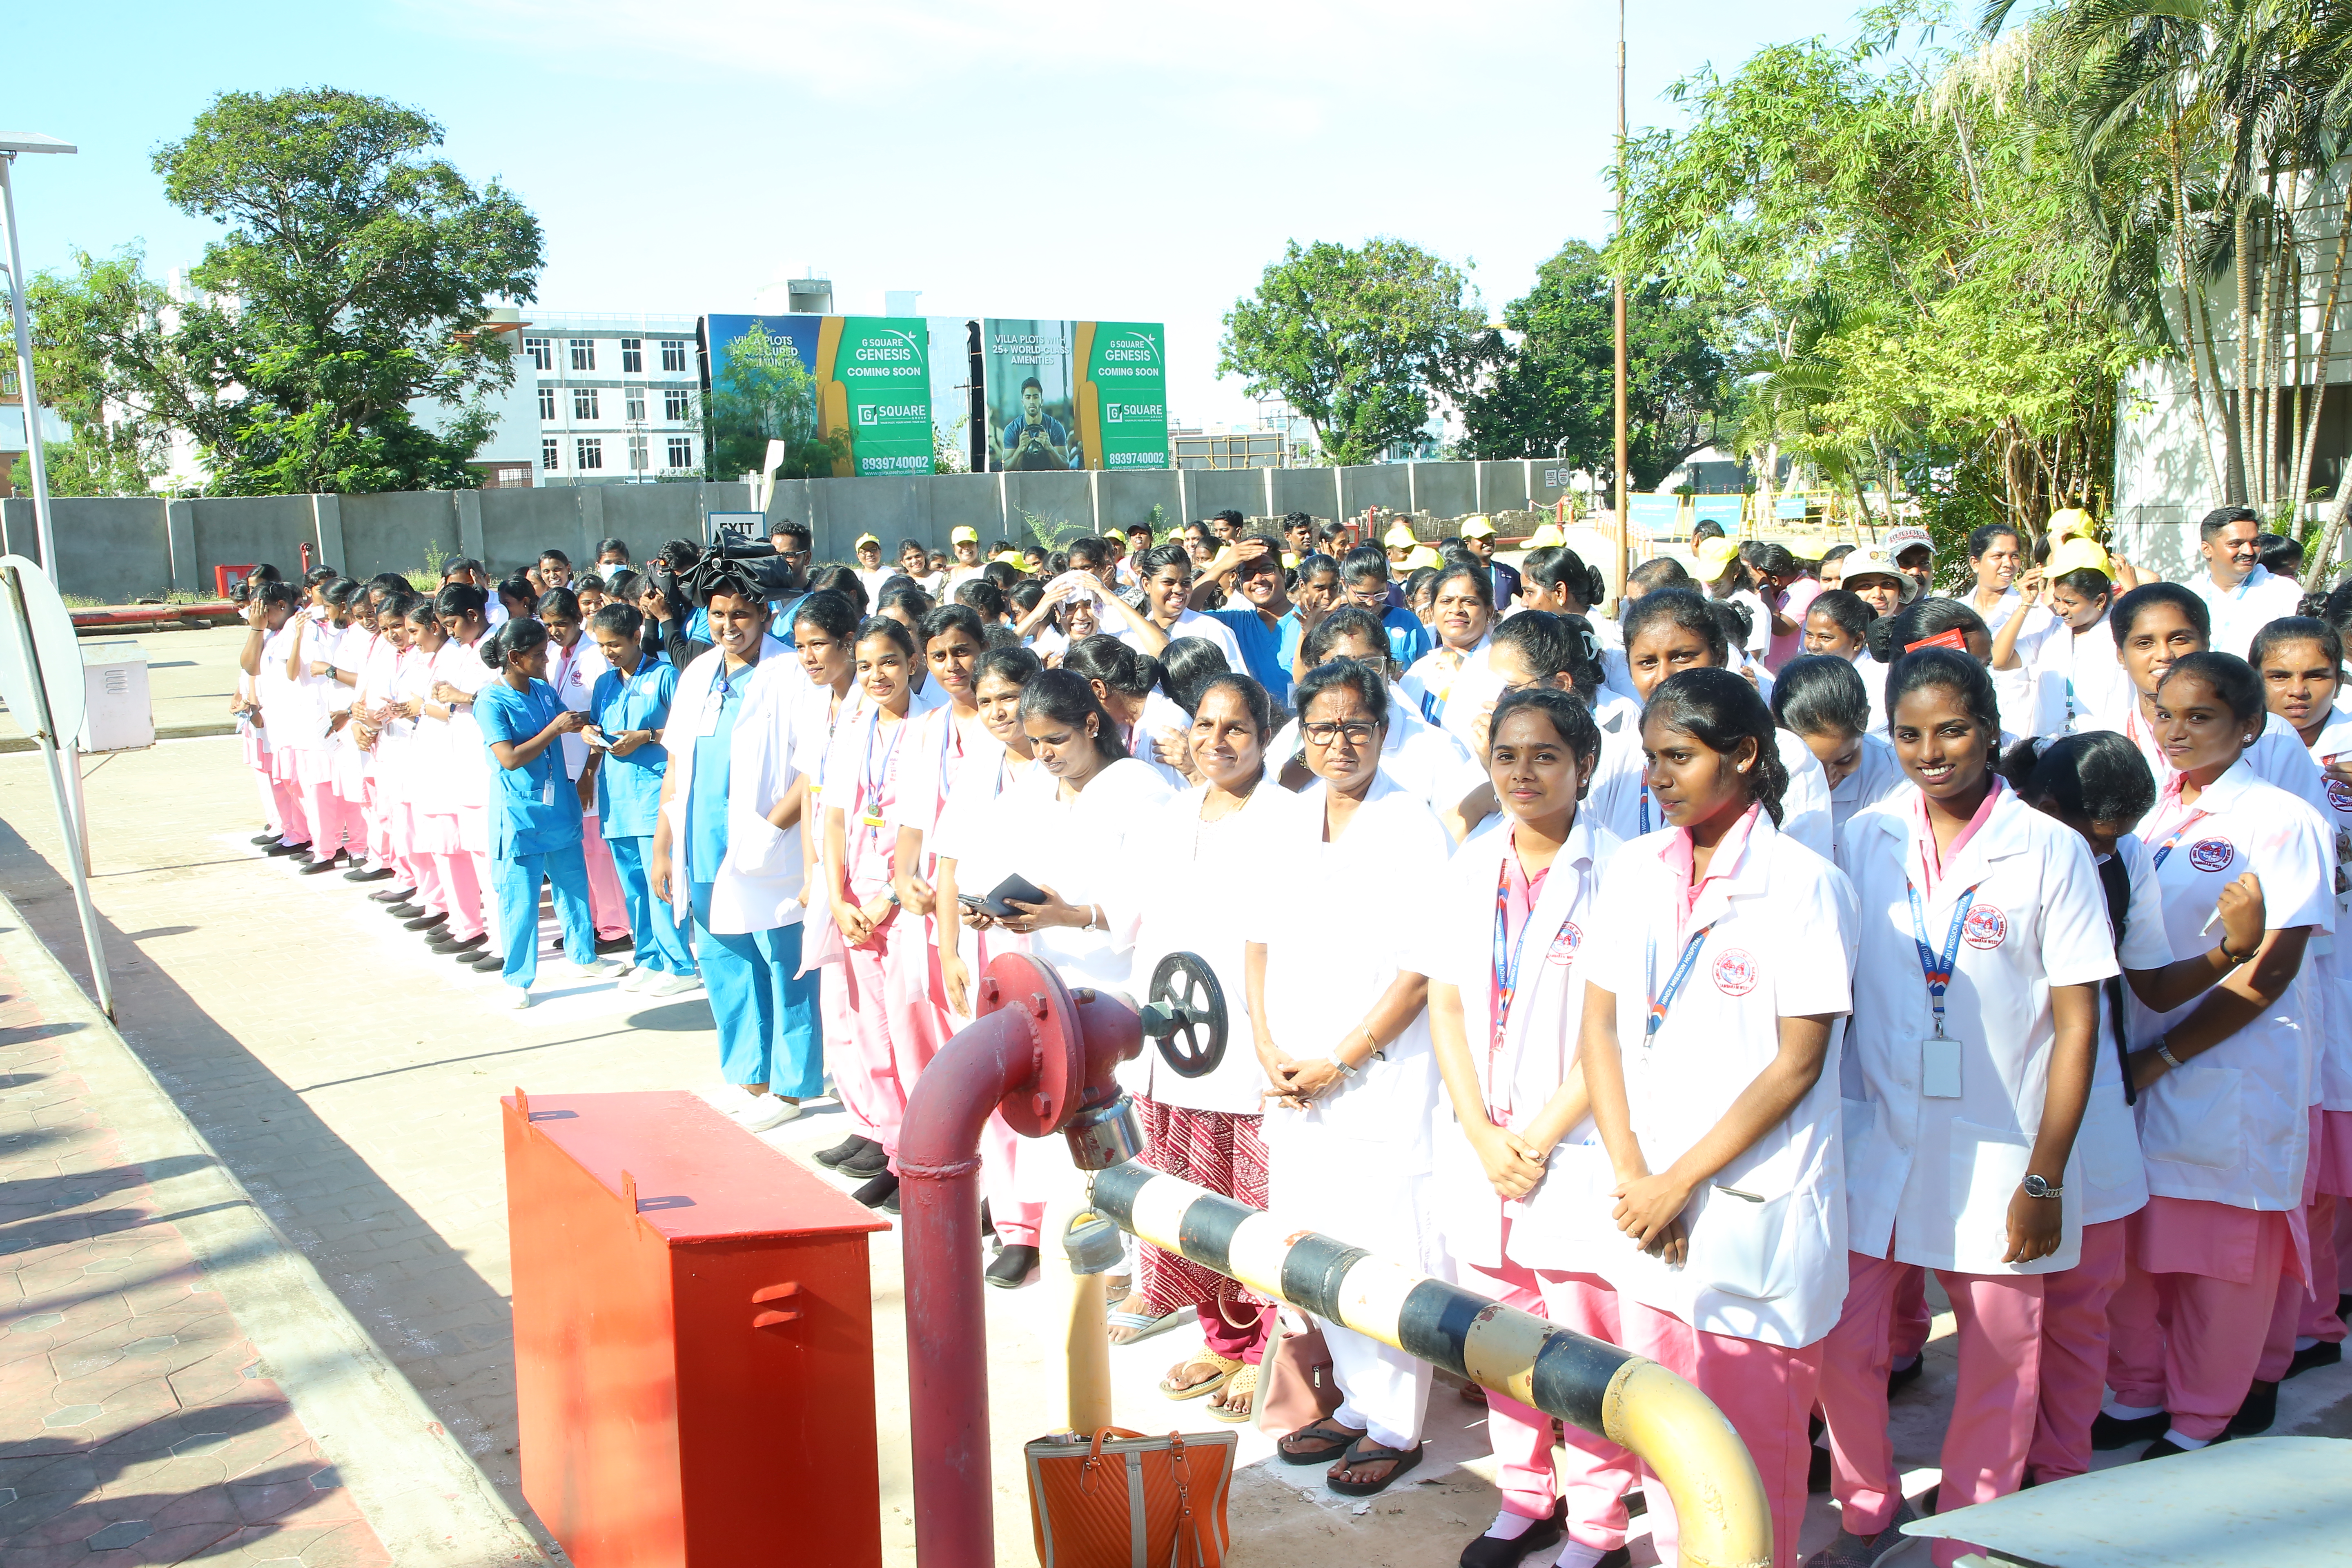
(1111,162)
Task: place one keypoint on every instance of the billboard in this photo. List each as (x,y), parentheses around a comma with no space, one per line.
(1075,395)
(873,389)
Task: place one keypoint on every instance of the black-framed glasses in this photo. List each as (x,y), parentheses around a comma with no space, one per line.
(1322,733)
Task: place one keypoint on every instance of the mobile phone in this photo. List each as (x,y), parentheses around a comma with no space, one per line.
(968,900)
(594,737)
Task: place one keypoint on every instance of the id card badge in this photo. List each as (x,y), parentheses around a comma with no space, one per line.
(1939,1075)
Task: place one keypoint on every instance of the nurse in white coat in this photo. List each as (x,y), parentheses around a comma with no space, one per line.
(2064,666)
(1713,1071)
(1427,759)
(1337,1011)
(1462,597)
(1516,1168)
(1819,698)
(2225,1082)
(1669,630)
(1983,941)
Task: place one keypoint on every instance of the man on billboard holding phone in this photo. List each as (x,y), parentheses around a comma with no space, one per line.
(1036,440)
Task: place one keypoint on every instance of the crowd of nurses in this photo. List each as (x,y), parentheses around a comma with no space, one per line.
(1717,1014)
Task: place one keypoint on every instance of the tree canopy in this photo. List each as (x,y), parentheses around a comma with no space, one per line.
(355,276)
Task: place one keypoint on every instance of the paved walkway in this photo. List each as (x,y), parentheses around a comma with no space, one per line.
(350,1080)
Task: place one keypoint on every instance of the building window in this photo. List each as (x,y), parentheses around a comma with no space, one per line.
(541,352)
(632,355)
(551,454)
(583,403)
(583,353)
(675,404)
(590,451)
(681,451)
(672,353)
(8,382)
(547,402)
(636,403)
(636,454)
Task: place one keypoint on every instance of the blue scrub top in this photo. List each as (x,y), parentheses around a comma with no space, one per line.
(533,808)
(1265,650)
(1408,638)
(705,800)
(628,789)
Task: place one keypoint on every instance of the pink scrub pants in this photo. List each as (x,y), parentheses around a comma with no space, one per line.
(608,908)
(456,884)
(2331,1260)
(1993,1405)
(334,821)
(2190,1323)
(2074,1353)
(1597,1473)
(1913,1322)
(1766,1392)
(891,991)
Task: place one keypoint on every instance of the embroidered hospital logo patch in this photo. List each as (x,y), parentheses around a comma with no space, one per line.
(2212,854)
(2339,794)
(1735,972)
(1985,926)
(1564,945)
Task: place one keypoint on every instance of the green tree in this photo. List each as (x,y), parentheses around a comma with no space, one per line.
(117,446)
(1357,341)
(1553,392)
(766,393)
(355,278)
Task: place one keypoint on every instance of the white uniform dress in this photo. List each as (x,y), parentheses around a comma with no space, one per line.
(1355,1163)
(2114,1177)
(1193,623)
(1423,758)
(2067,681)
(2278,757)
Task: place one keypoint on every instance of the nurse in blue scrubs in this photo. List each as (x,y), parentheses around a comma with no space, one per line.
(534,807)
(628,709)
(727,846)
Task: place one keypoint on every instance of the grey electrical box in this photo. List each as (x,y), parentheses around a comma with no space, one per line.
(119,717)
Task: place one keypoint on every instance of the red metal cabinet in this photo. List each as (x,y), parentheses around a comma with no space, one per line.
(694,1342)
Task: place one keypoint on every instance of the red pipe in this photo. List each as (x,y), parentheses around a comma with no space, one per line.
(1042,1055)
(153,614)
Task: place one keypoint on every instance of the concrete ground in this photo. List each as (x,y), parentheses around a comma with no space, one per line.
(350,1082)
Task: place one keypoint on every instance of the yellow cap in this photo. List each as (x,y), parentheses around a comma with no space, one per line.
(2072,522)
(865,539)
(1478,527)
(1010,557)
(1715,557)
(2072,555)
(1422,557)
(1549,535)
(1399,534)
(963,536)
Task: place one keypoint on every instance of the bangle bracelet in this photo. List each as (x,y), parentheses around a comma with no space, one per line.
(2233,958)
(2164,1049)
(1372,1040)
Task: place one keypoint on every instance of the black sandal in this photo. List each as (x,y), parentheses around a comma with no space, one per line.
(1349,1437)
(1364,1452)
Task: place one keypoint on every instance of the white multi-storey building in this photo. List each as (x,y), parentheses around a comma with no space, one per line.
(619,397)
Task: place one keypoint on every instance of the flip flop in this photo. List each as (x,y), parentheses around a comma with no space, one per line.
(1226,1366)
(1144,1324)
(1325,1453)
(1243,1382)
(1365,1452)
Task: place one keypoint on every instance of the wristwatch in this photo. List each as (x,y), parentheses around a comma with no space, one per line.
(2035,1187)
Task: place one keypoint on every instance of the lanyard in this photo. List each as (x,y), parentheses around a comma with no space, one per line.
(1645,809)
(1938,972)
(1662,1000)
(2165,849)
(1506,974)
(870,800)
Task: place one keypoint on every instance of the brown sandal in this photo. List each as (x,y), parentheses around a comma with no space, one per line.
(1226,1366)
(1244,1388)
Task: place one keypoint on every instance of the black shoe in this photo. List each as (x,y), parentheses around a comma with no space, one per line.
(394,895)
(487,963)
(2327,1353)
(1904,1376)
(468,945)
(616,944)
(1011,1267)
(2111,1432)
(987,1225)
(425,922)
(2257,1412)
(2165,1447)
(1817,1471)
(854,1144)
(302,856)
(1636,1505)
(315,866)
(266,839)
(882,1191)
(276,849)
(869,1161)
(372,874)
(1488,1552)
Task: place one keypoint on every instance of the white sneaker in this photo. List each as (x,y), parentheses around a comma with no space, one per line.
(670,985)
(635,978)
(756,1112)
(596,969)
(517,998)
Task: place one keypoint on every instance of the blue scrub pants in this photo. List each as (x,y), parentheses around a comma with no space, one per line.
(659,944)
(767,1018)
(517,878)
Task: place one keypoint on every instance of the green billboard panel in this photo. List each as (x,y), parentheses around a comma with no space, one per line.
(873,384)
(1122,401)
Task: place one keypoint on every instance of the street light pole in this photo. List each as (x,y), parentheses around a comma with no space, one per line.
(1624,477)
(10,146)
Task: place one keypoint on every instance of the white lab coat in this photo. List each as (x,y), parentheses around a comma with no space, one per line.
(2113,1176)
(463,755)
(1930,1179)
(1427,760)
(1558,1224)
(2262,597)
(1193,623)
(2333,970)
(1621,802)
(2277,756)
(1779,940)
(2067,681)
(757,886)
(573,673)
(2233,1125)
(1431,683)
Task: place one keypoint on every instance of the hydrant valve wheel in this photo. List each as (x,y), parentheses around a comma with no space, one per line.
(1186,1014)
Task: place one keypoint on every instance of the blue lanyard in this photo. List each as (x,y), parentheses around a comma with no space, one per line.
(1507,962)
(1645,809)
(1939,975)
(2164,851)
(1662,1000)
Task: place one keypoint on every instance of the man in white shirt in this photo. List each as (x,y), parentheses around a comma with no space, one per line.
(2242,594)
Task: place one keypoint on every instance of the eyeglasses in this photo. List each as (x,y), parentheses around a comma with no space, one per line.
(1322,733)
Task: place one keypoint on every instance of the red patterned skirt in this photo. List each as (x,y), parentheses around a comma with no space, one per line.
(1213,1149)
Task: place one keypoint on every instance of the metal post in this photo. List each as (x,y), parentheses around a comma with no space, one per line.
(1617,291)
(32,404)
(71,761)
(20,624)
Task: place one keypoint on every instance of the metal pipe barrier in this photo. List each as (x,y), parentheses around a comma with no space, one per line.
(1667,1424)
